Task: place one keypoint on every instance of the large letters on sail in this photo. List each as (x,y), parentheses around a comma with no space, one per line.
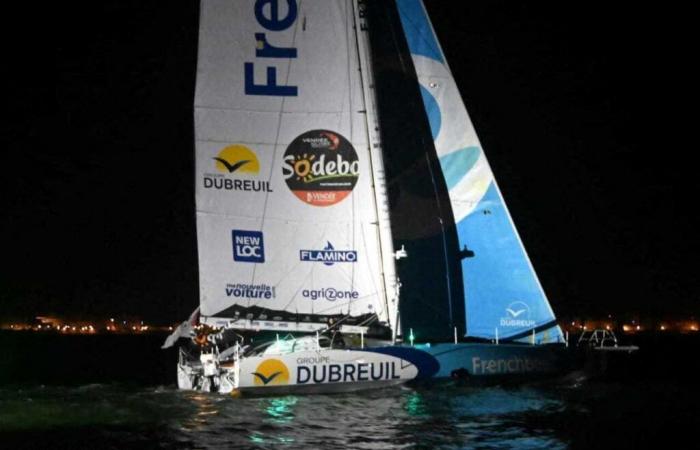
(285,209)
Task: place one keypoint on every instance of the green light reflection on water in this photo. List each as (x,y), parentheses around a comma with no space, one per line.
(257,439)
(278,410)
(281,409)
(415,404)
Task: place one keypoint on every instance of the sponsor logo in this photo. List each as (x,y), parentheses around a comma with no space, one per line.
(271,372)
(248,246)
(509,365)
(517,315)
(343,373)
(243,290)
(236,160)
(328,255)
(320,167)
(330,294)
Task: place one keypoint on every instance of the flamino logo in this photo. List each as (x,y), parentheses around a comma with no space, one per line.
(271,372)
(329,255)
(237,158)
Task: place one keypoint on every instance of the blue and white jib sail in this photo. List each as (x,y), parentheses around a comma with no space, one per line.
(288,228)
(503,296)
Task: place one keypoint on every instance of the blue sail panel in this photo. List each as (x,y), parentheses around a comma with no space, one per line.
(502,294)
(418,31)
(503,297)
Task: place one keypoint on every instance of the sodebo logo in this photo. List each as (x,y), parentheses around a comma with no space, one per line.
(248,246)
(320,167)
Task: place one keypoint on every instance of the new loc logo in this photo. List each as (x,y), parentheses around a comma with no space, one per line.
(248,246)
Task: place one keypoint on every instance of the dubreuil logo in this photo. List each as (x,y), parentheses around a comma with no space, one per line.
(248,246)
(271,372)
(240,162)
(517,315)
(320,167)
(328,255)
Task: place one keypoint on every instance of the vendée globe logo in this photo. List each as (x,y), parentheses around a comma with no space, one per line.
(248,246)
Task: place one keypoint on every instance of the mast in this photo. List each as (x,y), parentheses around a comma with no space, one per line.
(421,213)
(381,200)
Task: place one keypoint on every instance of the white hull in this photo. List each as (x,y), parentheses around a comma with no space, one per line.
(310,371)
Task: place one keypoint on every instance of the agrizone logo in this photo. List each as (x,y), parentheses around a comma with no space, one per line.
(330,294)
(239,161)
(271,372)
(328,255)
(248,246)
(321,167)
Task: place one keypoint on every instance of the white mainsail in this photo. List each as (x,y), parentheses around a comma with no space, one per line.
(287,223)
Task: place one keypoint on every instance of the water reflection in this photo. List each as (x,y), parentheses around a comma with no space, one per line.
(205,406)
(415,405)
(436,417)
(278,412)
(280,409)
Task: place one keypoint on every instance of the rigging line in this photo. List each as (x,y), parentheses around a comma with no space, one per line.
(292,299)
(444,240)
(377,289)
(350,19)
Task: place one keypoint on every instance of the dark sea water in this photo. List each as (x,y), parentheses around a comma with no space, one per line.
(118,392)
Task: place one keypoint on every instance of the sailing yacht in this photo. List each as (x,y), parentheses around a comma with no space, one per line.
(298,287)
(329,134)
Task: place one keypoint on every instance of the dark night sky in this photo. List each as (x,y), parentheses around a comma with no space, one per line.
(579,107)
